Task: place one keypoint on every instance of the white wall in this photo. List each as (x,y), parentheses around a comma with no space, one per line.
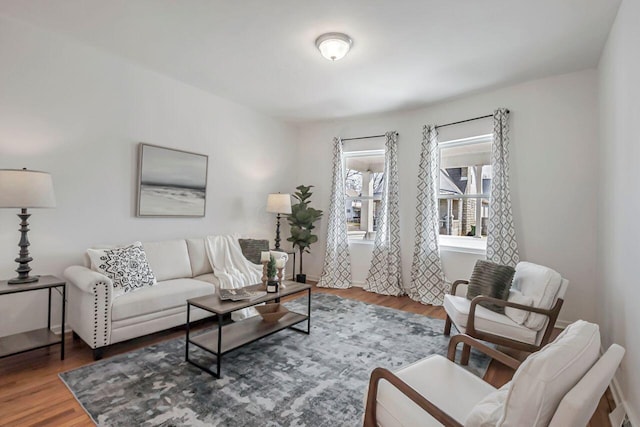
(619,204)
(79,114)
(553,172)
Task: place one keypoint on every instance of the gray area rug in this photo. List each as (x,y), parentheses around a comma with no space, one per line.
(287,379)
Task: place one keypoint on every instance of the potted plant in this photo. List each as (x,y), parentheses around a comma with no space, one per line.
(301,219)
(272,282)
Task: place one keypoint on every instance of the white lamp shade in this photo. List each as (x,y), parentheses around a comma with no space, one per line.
(20,188)
(334,46)
(279,203)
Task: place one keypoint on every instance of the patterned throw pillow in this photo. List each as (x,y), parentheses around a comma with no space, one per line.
(126,266)
(491,280)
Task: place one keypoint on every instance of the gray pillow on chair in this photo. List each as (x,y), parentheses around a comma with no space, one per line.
(491,280)
(251,249)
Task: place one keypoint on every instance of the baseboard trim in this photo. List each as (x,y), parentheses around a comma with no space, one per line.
(56,329)
(618,397)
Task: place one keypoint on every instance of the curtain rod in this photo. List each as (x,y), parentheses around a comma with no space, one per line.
(365,137)
(468,120)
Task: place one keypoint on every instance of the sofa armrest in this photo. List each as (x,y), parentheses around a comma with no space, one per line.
(85,279)
(89,307)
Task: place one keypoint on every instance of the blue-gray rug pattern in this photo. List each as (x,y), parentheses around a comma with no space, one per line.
(287,379)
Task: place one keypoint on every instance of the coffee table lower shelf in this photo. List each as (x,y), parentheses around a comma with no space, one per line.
(235,335)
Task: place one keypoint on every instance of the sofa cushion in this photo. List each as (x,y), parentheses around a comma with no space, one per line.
(547,375)
(491,280)
(540,283)
(515,314)
(163,296)
(457,392)
(198,256)
(486,320)
(168,259)
(126,266)
(209,278)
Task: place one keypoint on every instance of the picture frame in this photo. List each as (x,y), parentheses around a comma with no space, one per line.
(171,182)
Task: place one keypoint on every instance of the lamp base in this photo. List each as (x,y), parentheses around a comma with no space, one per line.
(23,280)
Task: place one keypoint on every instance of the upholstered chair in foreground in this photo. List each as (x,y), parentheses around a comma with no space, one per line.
(558,386)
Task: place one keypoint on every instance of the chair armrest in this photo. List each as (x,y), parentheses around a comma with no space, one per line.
(455,284)
(371,406)
(86,279)
(491,352)
(551,313)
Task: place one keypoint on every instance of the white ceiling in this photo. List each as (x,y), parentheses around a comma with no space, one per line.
(406,53)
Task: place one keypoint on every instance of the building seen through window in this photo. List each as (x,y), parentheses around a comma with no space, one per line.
(363,186)
(464,186)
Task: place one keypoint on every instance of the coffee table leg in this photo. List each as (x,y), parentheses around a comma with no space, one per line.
(186,354)
(308,311)
(219,355)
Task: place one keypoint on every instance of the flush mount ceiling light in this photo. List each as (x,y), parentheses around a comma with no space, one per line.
(334,46)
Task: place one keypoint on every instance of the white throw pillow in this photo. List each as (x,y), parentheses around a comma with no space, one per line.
(126,266)
(515,314)
(488,411)
(540,283)
(546,376)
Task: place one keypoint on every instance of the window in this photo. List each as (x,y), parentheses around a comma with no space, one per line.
(464,187)
(363,186)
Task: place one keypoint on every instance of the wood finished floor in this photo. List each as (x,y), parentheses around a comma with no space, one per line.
(31,394)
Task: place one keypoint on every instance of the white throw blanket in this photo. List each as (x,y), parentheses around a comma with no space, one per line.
(232,269)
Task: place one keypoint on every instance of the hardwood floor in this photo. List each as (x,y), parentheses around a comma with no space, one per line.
(31,394)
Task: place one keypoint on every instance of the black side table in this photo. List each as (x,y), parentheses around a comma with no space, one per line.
(37,338)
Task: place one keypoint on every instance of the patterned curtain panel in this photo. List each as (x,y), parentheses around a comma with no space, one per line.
(427,279)
(502,247)
(385,273)
(336,272)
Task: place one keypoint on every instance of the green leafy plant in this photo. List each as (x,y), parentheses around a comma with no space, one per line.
(301,219)
(271,268)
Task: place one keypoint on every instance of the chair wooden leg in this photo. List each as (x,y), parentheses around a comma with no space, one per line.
(447,326)
(466,353)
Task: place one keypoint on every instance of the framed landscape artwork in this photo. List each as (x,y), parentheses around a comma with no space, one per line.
(171,183)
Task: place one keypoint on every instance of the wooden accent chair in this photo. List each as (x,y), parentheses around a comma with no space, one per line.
(559,386)
(545,287)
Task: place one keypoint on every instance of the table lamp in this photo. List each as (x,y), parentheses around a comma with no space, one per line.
(278,204)
(23,189)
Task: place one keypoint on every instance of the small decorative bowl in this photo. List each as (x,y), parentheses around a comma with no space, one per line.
(271,313)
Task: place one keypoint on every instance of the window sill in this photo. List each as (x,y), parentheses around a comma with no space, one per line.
(361,242)
(469,245)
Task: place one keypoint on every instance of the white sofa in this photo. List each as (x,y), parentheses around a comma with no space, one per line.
(182,270)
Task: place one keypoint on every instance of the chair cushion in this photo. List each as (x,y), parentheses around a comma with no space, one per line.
(489,410)
(450,387)
(491,280)
(163,296)
(540,283)
(168,259)
(546,376)
(517,315)
(198,256)
(486,320)
(126,266)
